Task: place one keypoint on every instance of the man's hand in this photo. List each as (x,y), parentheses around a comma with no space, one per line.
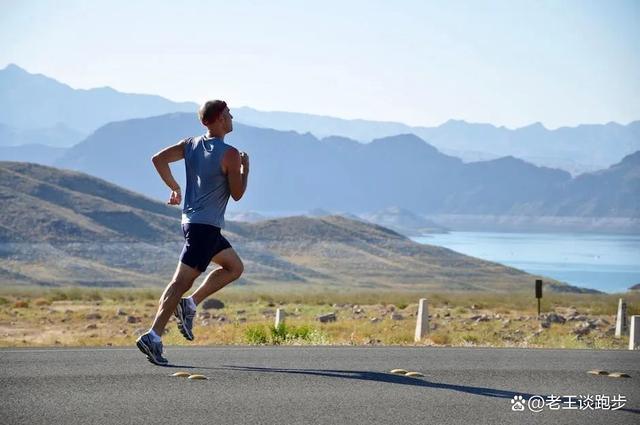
(175,198)
(244,160)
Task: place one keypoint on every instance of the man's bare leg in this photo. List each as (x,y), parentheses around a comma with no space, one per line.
(180,283)
(231,268)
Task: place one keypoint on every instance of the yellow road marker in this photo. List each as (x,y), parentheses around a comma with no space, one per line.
(399,371)
(181,374)
(415,374)
(619,375)
(598,372)
(196,376)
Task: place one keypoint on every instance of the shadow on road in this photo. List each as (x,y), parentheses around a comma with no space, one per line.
(403,380)
(386,377)
(393,379)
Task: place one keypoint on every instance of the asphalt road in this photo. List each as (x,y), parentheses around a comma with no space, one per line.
(313,385)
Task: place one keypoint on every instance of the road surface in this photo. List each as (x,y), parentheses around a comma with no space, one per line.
(315,385)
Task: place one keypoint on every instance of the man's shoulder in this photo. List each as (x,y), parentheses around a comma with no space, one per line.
(190,139)
(229,149)
(231,155)
(190,143)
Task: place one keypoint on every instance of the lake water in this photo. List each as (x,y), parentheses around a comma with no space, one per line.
(609,263)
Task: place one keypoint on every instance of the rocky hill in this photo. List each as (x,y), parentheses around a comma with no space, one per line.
(59,227)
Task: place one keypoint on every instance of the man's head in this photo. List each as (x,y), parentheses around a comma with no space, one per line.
(215,115)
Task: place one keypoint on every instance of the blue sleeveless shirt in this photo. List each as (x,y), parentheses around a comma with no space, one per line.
(207,192)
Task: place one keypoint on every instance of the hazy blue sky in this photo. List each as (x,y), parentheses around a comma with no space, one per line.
(421,62)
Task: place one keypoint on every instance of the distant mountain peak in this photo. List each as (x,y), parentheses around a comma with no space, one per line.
(534,126)
(631,159)
(453,121)
(513,161)
(406,137)
(109,89)
(462,125)
(16,73)
(84,110)
(12,67)
(407,141)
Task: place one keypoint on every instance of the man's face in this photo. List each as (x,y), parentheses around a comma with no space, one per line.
(227,120)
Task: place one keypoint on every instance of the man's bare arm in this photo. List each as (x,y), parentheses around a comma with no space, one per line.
(236,167)
(161,161)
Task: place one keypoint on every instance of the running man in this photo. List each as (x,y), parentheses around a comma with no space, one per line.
(214,171)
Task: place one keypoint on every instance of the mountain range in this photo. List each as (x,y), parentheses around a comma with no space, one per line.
(59,227)
(298,172)
(587,147)
(67,115)
(394,179)
(36,109)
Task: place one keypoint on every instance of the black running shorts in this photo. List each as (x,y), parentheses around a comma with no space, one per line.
(201,243)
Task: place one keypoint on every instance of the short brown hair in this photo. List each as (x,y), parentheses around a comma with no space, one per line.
(211,110)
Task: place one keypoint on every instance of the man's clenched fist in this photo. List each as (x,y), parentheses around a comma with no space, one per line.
(244,159)
(175,198)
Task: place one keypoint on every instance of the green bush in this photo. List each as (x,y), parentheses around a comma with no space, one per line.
(469,338)
(284,334)
(278,334)
(255,335)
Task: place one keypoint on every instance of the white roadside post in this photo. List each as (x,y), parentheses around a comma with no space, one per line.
(634,335)
(279,317)
(422,324)
(621,319)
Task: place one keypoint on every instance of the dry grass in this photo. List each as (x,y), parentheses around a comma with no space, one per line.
(30,317)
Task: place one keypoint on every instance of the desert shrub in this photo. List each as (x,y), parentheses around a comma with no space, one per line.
(284,334)
(401,338)
(255,335)
(469,338)
(441,338)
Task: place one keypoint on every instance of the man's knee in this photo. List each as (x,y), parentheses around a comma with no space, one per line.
(236,269)
(184,277)
(182,283)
